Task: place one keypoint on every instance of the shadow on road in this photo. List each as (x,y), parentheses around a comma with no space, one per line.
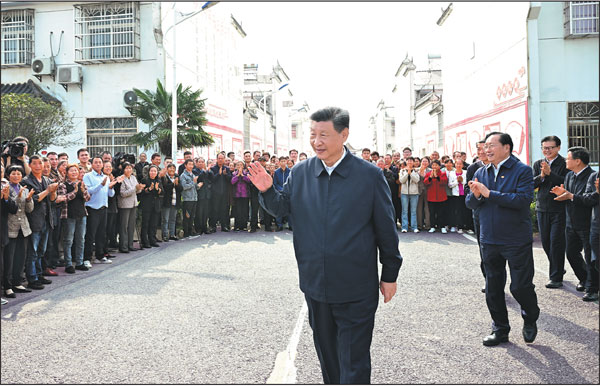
(557,369)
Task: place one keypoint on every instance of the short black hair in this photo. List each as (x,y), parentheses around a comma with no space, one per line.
(303,153)
(290,152)
(504,139)
(283,157)
(449,160)
(407,148)
(52,152)
(155,155)
(262,159)
(12,168)
(169,166)
(366,149)
(187,152)
(375,153)
(247,152)
(97,156)
(549,138)
(187,161)
(436,161)
(412,158)
(579,152)
(81,150)
(106,152)
(230,153)
(33,157)
(339,117)
(62,155)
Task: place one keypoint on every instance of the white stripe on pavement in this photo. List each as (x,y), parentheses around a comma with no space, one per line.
(285,370)
(469,237)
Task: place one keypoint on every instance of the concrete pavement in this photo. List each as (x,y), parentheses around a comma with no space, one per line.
(220,308)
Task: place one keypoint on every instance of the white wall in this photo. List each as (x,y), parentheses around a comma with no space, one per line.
(103,84)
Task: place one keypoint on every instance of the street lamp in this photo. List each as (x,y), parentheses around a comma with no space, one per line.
(174,116)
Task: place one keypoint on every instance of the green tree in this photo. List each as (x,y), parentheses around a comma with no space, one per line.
(43,124)
(154,109)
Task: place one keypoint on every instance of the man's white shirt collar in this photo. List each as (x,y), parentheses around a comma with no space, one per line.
(330,169)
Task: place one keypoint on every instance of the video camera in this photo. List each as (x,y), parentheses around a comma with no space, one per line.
(13,149)
(119,159)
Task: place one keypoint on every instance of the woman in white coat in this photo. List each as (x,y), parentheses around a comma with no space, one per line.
(457,179)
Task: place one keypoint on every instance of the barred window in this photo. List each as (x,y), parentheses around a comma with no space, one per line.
(583,127)
(107,32)
(111,134)
(581,18)
(294,130)
(17,37)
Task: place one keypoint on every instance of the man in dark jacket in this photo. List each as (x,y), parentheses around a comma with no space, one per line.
(579,213)
(549,172)
(40,220)
(221,183)
(503,191)
(343,213)
(204,177)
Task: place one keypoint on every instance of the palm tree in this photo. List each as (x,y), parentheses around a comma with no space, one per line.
(154,109)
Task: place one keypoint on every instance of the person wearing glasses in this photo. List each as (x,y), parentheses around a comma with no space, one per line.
(503,190)
(549,172)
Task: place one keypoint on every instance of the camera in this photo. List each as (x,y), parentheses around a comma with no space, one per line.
(119,159)
(13,149)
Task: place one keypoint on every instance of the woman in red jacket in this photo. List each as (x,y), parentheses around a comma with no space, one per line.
(437,181)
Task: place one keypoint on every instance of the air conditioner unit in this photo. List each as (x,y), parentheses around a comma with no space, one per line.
(71,74)
(43,66)
(129,98)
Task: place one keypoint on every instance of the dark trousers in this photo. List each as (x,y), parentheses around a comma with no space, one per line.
(267,220)
(520,264)
(150,218)
(95,233)
(127,217)
(111,231)
(52,253)
(342,335)
(254,205)
(189,210)
(14,261)
(595,243)
(436,214)
(552,226)
(220,211)
(201,218)
(476,230)
(398,208)
(584,269)
(241,212)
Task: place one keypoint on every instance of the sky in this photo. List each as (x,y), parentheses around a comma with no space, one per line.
(341,54)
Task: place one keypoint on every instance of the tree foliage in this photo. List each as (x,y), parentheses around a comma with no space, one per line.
(43,124)
(154,109)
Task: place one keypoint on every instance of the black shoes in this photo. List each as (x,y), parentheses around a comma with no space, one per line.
(483,289)
(174,238)
(21,289)
(134,249)
(224,229)
(495,338)
(70,269)
(154,244)
(580,287)
(590,296)
(252,230)
(43,280)
(529,332)
(36,285)
(123,250)
(81,268)
(554,284)
(9,293)
(279,229)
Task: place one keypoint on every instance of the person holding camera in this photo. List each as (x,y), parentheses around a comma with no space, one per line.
(15,153)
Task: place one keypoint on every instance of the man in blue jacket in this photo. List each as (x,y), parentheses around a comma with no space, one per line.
(343,213)
(279,178)
(503,191)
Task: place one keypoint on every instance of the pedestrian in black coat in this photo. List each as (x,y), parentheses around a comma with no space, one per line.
(343,215)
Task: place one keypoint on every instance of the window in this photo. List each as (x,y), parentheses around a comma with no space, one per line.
(111,134)
(583,127)
(107,32)
(393,128)
(581,18)
(17,37)
(294,130)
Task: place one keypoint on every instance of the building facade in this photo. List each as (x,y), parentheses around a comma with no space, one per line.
(563,74)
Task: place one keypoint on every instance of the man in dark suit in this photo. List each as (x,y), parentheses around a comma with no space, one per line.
(343,213)
(549,172)
(221,183)
(481,162)
(579,214)
(502,191)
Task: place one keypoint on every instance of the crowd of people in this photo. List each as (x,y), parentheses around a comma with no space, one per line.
(58,212)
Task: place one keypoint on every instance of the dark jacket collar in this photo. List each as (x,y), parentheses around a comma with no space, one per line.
(508,164)
(343,169)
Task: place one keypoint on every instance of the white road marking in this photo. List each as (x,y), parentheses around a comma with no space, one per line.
(284,371)
(469,237)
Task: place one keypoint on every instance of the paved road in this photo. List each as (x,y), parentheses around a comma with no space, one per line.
(224,308)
